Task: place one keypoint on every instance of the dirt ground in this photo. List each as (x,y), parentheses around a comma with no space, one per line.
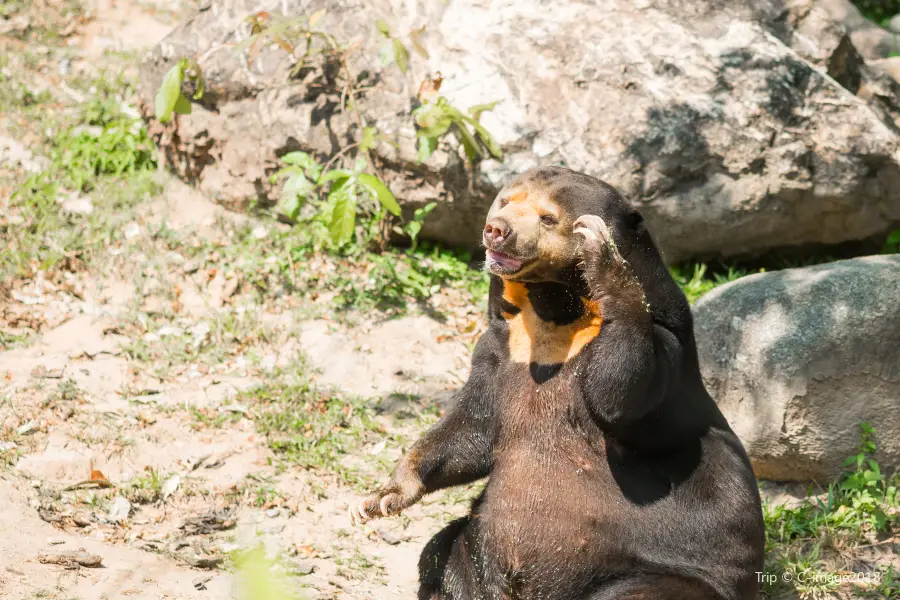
(160,469)
(123,422)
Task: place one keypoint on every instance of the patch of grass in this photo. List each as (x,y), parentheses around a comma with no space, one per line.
(45,21)
(10,340)
(887,586)
(697,279)
(146,488)
(228,334)
(313,428)
(355,565)
(51,222)
(396,278)
(212,418)
(807,539)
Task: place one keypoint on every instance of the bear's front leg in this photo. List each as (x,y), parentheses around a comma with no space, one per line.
(631,361)
(457,450)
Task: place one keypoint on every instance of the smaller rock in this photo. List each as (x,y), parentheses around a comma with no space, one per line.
(77,205)
(71,560)
(891,65)
(132,230)
(83,518)
(119,510)
(390,537)
(170,486)
(200,582)
(303,567)
(894,24)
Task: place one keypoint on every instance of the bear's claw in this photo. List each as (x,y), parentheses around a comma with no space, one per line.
(372,507)
(592,228)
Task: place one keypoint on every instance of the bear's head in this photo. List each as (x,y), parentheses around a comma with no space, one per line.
(529,236)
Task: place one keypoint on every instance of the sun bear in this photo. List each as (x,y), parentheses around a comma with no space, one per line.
(612,473)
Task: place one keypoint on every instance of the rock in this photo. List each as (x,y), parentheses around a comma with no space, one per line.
(890,66)
(119,510)
(797,358)
(14,155)
(83,518)
(872,41)
(701,111)
(77,205)
(894,24)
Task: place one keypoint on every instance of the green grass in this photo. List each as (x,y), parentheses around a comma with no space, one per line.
(314,428)
(101,157)
(810,539)
(165,343)
(696,279)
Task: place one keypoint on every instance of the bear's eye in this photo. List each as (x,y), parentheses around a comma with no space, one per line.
(549,220)
(504,202)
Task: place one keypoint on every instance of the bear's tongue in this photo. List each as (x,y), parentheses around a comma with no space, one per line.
(505,262)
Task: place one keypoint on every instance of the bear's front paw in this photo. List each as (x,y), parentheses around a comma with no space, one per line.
(386,502)
(597,244)
(593,229)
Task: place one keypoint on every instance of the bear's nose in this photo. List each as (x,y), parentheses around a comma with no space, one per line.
(496,231)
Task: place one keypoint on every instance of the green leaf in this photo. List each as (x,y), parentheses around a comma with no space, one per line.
(470,144)
(368,140)
(296,158)
(294,193)
(486,138)
(401,56)
(201,82)
(334,175)
(169,91)
(343,212)
(377,188)
(182,105)
(427,146)
(383,28)
(476,110)
(290,206)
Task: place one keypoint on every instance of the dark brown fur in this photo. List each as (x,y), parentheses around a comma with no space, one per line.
(612,472)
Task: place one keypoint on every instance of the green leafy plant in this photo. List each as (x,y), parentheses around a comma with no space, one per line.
(438,118)
(342,189)
(414,226)
(348,185)
(696,281)
(169,98)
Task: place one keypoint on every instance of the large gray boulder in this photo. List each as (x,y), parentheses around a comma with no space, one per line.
(732,141)
(797,358)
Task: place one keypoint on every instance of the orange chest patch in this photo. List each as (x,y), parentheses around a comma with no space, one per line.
(534,340)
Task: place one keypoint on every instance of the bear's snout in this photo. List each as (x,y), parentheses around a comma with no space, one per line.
(497,232)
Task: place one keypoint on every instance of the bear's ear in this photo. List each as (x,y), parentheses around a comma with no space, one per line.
(633,220)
